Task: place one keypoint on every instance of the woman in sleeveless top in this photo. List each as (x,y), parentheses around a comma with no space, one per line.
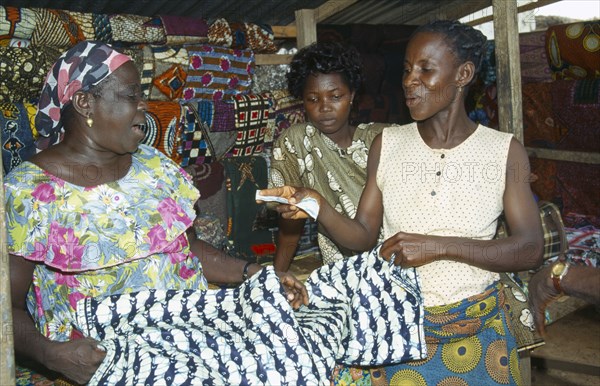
(437,187)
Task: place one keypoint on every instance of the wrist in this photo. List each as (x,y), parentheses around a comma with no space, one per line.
(558,271)
(250,269)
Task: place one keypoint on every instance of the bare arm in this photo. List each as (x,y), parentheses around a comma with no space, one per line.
(219,267)
(288,237)
(580,281)
(520,251)
(358,234)
(77,360)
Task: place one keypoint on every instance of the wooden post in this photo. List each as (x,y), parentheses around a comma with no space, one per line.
(508,67)
(7,354)
(306,27)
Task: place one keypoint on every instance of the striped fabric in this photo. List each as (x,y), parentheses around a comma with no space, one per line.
(216,73)
(55,28)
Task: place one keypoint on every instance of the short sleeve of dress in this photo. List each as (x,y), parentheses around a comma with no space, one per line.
(22,210)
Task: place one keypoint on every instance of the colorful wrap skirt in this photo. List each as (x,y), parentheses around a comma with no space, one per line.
(468,343)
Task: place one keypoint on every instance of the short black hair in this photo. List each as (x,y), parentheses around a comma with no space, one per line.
(467,43)
(325,58)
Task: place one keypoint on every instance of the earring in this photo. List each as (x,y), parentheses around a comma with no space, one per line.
(460,88)
(89,121)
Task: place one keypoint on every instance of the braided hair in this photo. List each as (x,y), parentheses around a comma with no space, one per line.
(325,58)
(467,43)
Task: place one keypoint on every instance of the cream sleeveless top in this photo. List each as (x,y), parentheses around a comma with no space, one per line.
(444,192)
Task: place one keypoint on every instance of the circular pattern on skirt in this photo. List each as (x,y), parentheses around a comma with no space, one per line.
(515,370)
(481,308)
(496,361)
(408,377)
(462,356)
(453,381)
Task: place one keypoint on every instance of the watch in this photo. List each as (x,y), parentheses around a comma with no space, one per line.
(559,270)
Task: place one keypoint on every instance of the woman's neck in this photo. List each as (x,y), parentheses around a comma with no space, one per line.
(83,166)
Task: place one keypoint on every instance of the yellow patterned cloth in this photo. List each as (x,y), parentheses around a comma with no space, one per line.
(574,50)
(468,343)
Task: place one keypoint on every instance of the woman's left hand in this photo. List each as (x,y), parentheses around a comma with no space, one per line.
(294,289)
(410,249)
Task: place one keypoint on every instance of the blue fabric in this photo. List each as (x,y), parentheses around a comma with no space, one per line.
(17,138)
(362,310)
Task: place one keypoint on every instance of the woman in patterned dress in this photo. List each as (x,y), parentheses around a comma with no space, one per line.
(326,153)
(437,186)
(99,214)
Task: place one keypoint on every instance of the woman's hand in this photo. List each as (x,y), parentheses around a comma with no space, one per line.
(541,293)
(293,195)
(294,289)
(410,249)
(77,359)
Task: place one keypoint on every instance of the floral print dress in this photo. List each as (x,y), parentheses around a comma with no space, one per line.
(120,237)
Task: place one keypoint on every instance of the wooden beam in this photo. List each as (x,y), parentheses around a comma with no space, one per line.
(261,59)
(7,358)
(288,31)
(329,8)
(306,27)
(565,155)
(508,67)
(523,8)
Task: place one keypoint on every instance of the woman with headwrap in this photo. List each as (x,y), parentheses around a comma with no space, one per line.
(109,285)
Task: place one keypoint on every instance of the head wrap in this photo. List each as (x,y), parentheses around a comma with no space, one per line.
(85,65)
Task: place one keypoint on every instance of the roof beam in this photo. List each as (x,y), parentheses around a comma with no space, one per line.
(523,8)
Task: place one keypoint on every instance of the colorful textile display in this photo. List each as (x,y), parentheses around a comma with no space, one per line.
(287,110)
(540,126)
(137,29)
(17,135)
(573,50)
(55,28)
(251,115)
(195,145)
(102,28)
(24,70)
(216,73)
(85,21)
(534,60)
(17,23)
(164,127)
(169,72)
(224,116)
(576,106)
(237,35)
(183,29)
(573,186)
(171,336)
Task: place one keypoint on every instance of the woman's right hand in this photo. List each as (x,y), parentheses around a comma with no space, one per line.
(77,359)
(293,195)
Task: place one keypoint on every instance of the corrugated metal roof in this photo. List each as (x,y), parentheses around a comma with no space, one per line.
(273,12)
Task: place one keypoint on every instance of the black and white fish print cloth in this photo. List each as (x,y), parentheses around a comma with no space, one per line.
(363,311)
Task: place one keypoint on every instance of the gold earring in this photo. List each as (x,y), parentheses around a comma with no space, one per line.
(460,88)
(89,121)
